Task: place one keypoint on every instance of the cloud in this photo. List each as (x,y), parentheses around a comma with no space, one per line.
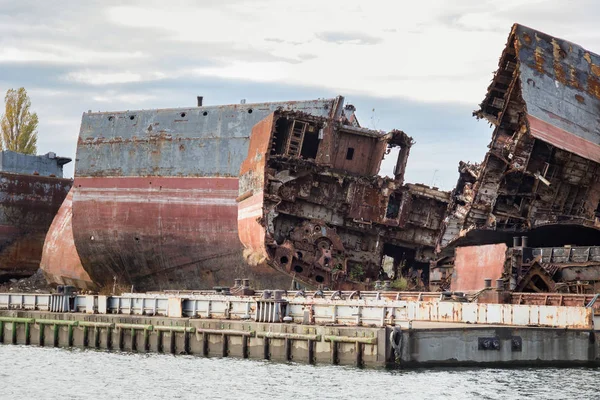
(307,56)
(103,78)
(113,97)
(274,40)
(434,51)
(422,68)
(348,38)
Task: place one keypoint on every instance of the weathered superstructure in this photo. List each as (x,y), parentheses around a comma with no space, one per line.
(313,205)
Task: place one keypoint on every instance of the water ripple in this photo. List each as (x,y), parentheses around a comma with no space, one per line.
(48,373)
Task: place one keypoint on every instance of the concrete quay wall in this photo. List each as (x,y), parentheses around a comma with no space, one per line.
(422,344)
(500,346)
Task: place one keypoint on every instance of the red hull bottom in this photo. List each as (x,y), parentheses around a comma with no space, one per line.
(161,233)
(60,261)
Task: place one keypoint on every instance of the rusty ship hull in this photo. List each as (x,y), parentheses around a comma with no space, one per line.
(28,204)
(154,198)
(159,232)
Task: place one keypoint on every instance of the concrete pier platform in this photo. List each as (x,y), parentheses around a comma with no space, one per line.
(410,344)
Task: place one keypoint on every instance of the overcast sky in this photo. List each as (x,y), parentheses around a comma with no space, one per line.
(420,66)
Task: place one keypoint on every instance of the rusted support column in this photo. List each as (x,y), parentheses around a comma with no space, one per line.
(224,344)
(311,351)
(55,331)
(14,333)
(27,332)
(172,347)
(205,344)
(120,339)
(146,340)
(288,349)
(109,337)
(186,342)
(96,337)
(85,337)
(358,349)
(266,350)
(133,340)
(334,353)
(159,341)
(70,335)
(245,340)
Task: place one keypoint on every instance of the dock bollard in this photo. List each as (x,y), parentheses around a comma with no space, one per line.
(499,284)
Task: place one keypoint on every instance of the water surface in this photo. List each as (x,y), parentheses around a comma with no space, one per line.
(28,372)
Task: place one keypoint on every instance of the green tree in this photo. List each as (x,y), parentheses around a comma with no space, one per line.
(18,124)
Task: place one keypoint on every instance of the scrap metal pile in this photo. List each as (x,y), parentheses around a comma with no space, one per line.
(313,205)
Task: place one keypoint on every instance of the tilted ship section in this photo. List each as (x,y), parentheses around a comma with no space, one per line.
(541,175)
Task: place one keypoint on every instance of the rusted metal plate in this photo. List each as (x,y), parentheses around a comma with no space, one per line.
(563,139)
(473,264)
(559,81)
(557,299)
(163,233)
(314,311)
(183,142)
(250,212)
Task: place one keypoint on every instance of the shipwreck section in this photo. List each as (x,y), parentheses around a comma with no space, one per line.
(542,167)
(154,195)
(312,205)
(32,189)
(541,174)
